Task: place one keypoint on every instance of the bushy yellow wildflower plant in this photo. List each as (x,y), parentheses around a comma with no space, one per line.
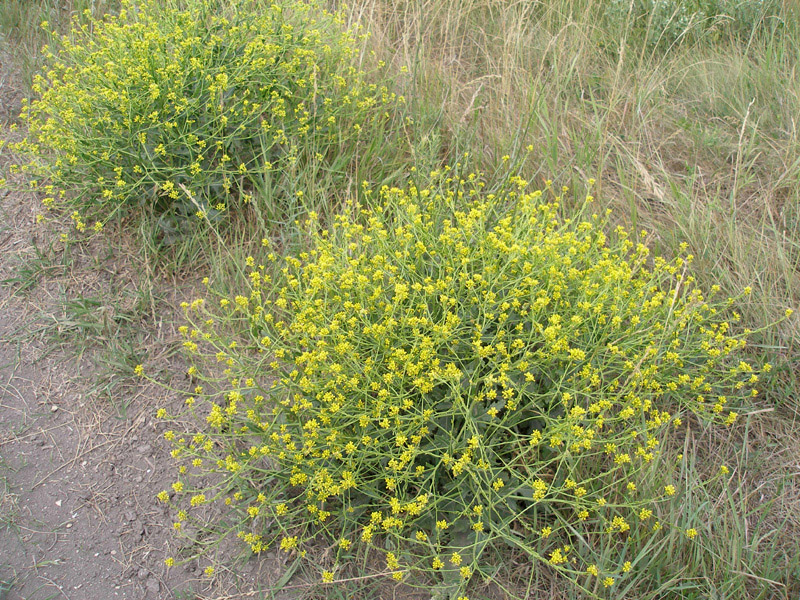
(192,108)
(451,371)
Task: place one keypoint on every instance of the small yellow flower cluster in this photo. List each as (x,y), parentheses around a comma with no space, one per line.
(446,361)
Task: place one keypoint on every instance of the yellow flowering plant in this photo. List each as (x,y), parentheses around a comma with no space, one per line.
(199,107)
(449,372)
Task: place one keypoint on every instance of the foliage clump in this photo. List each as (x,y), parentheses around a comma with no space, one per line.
(451,373)
(196,107)
(665,23)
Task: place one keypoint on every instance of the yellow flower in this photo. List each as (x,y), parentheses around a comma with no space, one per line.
(691,533)
(288,543)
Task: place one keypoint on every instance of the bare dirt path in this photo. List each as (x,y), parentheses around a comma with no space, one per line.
(77,475)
